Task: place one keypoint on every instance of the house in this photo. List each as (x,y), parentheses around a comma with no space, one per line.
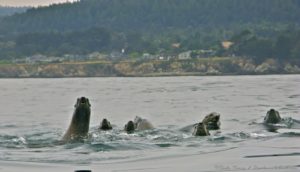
(115,55)
(42,59)
(147,56)
(35,58)
(161,58)
(203,53)
(97,56)
(185,55)
(227,44)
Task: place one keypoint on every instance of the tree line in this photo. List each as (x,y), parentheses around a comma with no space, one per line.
(155,27)
(152,15)
(285,45)
(280,45)
(8,11)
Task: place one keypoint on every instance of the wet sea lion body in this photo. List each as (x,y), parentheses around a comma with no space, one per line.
(273,121)
(272,117)
(200,129)
(138,124)
(212,121)
(129,127)
(142,124)
(80,122)
(105,125)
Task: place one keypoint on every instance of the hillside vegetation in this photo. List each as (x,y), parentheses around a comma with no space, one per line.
(8,11)
(153,15)
(257,29)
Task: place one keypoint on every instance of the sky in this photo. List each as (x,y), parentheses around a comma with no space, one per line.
(30,2)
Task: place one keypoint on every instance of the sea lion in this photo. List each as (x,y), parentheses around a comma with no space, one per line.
(129,127)
(272,117)
(142,124)
(273,121)
(200,129)
(80,123)
(212,121)
(138,124)
(105,125)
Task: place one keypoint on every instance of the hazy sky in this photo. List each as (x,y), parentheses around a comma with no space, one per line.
(30,2)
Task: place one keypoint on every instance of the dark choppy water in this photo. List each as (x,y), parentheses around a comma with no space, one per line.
(36,112)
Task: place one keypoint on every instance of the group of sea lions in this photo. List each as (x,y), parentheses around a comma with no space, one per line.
(210,122)
(79,126)
(80,122)
(131,126)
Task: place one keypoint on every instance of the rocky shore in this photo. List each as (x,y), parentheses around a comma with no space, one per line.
(195,67)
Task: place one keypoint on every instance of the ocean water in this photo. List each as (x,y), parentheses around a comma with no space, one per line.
(35,113)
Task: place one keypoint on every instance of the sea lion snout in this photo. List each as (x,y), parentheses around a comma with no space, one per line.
(83,100)
(217,117)
(272,110)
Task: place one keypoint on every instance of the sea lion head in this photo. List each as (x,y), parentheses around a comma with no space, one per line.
(142,124)
(137,120)
(82,107)
(200,129)
(212,121)
(81,117)
(82,113)
(272,117)
(105,125)
(129,127)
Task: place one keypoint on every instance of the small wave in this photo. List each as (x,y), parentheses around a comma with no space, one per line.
(165,145)
(41,145)
(219,138)
(8,126)
(12,142)
(241,135)
(291,134)
(294,96)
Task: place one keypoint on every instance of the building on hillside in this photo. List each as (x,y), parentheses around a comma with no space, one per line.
(202,53)
(147,56)
(97,56)
(115,55)
(185,55)
(227,44)
(42,59)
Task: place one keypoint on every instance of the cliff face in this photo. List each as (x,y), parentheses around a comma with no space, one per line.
(209,66)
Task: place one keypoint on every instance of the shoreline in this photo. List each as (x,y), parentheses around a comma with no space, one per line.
(152,76)
(218,66)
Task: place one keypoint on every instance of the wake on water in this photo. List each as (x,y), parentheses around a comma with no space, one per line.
(48,142)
